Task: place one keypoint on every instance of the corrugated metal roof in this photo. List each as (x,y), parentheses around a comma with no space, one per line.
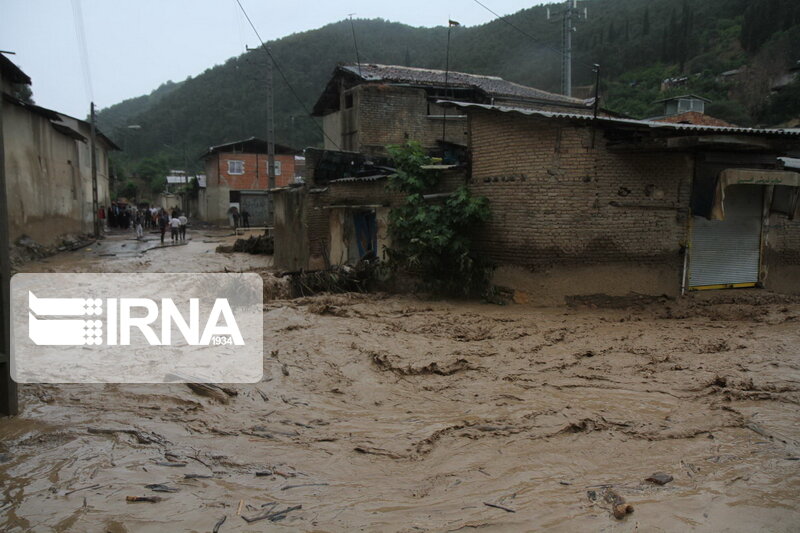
(360,178)
(696,128)
(250,145)
(790,162)
(491,85)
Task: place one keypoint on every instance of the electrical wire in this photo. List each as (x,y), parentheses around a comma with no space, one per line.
(280,71)
(529,36)
(80,34)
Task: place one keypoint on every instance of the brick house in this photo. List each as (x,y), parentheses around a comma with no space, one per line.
(609,205)
(580,204)
(237,176)
(365,107)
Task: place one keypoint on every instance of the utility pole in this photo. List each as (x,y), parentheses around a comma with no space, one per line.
(270,137)
(270,132)
(450,24)
(569,15)
(8,388)
(95,206)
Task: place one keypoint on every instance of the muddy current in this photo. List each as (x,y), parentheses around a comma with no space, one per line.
(398,413)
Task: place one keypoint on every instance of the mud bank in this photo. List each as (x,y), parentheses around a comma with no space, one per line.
(397,414)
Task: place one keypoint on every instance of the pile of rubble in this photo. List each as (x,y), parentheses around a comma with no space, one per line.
(260,244)
(26,249)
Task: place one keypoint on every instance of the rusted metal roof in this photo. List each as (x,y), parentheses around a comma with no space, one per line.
(651,124)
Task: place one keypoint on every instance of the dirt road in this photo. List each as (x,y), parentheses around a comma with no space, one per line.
(383,413)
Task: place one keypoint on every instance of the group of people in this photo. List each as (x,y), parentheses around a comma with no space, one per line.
(126,216)
(176,222)
(240,220)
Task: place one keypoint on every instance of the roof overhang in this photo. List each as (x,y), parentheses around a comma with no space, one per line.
(11,72)
(252,145)
(669,135)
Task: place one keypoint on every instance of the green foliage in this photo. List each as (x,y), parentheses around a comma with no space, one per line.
(431,238)
(784,103)
(128,190)
(153,171)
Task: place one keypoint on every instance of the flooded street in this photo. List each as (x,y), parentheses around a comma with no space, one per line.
(395,413)
(121,252)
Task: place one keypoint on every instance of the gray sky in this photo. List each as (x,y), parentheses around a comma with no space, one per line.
(136,45)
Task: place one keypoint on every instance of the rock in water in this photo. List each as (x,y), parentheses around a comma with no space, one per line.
(659,478)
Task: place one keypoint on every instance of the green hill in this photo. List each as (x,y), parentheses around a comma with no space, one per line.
(639,43)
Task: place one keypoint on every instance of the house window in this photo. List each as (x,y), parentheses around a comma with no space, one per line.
(277,167)
(235,167)
(690,104)
(348,100)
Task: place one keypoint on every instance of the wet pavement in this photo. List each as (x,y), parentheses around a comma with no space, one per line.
(120,251)
(390,413)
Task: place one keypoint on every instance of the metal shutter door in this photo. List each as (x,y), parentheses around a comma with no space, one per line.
(256,206)
(727,252)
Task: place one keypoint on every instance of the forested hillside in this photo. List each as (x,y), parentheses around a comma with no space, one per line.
(639,43)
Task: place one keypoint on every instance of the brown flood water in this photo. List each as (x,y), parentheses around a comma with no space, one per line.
(386,413)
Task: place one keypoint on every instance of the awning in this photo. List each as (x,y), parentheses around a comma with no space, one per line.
(746,176)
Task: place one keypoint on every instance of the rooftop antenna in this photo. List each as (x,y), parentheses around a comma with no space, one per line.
(355,43)
(567,14)
(450,24)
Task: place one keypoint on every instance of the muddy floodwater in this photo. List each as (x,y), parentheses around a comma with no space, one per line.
(397,413)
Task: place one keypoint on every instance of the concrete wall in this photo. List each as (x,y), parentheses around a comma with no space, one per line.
(291,229)
(85,161)
(48,178)
(571,219)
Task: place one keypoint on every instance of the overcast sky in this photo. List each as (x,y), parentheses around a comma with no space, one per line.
(133,46)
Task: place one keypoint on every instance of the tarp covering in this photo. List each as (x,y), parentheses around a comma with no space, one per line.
(745,176)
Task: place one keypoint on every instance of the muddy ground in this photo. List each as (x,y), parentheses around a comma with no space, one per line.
(389,413)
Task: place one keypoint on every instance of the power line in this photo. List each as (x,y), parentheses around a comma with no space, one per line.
(80,34)
(528,35)
(285,80)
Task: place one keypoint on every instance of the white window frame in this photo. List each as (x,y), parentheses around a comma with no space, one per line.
(231,171)
(277,167)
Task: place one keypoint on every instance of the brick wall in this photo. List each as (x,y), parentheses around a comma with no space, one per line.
(255,171)
(556,200)
(783,239)
(392,115)
(782,254)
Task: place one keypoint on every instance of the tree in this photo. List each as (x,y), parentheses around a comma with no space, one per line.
(430,238)
(646,22)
